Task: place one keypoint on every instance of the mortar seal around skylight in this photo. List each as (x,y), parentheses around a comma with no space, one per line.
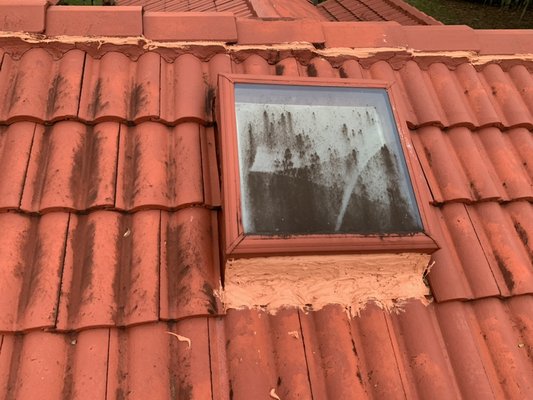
(323,168)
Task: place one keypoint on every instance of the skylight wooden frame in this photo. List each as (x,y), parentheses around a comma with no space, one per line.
(238,244)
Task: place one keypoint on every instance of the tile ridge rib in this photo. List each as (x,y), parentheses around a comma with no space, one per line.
(117,163)
(484,250)
(107,364)
(14,368)
(397,356)
(209,350)
(305,356)
(2,59)
(62,269)
(27,166)
(203,168)
(159,272)
(82,75)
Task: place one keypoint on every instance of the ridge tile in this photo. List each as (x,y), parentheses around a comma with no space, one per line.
(94,21)
(184,26)
(259,32)
(27,15)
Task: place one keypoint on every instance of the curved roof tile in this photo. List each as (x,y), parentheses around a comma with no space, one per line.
(109,203)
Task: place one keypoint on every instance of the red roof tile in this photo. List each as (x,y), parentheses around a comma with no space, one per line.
(297,9)
(190,26)
(70,271)
(101,21)
(28,15)
(263,32)
(109,204)
(363,34)
(468,350)
(442,38)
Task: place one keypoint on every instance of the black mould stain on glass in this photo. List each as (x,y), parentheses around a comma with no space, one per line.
(311,167)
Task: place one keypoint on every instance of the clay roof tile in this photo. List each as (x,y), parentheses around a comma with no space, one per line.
(110,200)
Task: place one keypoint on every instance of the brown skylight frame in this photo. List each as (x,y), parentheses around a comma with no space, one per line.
(238,244)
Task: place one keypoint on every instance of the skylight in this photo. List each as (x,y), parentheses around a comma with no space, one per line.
(316,166)
(321,160)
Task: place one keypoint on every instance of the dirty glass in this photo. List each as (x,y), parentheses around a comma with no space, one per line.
(321,160)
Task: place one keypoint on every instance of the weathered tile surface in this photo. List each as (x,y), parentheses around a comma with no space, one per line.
(109,200)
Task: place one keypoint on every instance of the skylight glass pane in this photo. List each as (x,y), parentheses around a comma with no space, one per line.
(321,160)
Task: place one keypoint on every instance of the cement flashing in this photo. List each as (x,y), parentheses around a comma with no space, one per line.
(313,282)
(216,47)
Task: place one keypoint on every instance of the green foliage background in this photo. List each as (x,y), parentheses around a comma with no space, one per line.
(509,4)
(479,14)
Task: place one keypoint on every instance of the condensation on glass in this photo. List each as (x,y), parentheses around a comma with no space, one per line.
(321,160)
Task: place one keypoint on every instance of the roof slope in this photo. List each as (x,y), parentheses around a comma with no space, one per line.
(332,10)
(375,10)
(109,204)
(240,8)
(273,9)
